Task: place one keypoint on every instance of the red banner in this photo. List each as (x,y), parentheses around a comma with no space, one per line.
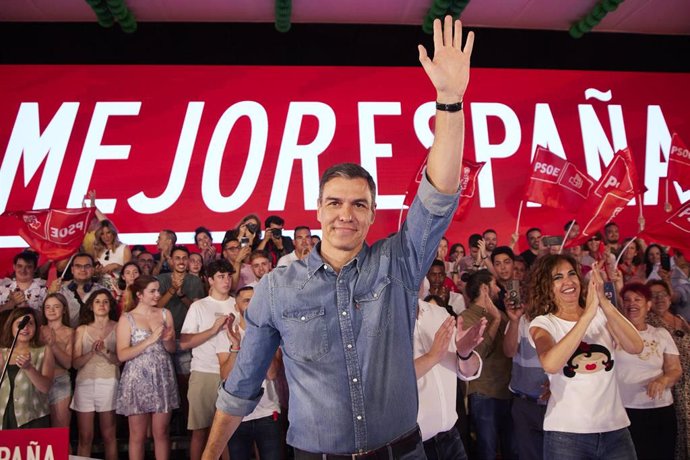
(39,444)
(557,183)
(674,231)
(182,146)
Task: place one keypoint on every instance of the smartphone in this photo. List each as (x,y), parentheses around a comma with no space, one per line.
(244,241)
(665,262)
(610,292)
(549,241)
(513,290)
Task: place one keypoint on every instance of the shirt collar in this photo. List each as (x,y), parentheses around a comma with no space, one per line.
(315,262)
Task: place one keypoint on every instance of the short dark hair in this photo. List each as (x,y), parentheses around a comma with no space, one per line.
(274,220)
(348,171)
(533,229)
(245,288)
(489,230)
(180,248)
(610,224)
(258,254)
(568,224)
(204,230)
(84,254)
(503,250)
(438,263)
(27,256)
(302,227)
(219,266)
(138,247)
(474,240)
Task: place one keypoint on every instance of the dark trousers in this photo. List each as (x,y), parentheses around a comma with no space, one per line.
(494,426)
(267,434)
(445,446)
(528,428)
(653,432)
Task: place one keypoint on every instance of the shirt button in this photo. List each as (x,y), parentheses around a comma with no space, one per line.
(355,380)
(304,318)
(376,296)
(344,313)
(340,281)
(359,417)
(349,345)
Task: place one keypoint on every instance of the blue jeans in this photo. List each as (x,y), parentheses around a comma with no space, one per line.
(612,445)
(445,446)
(528,423)
(267,434)
(493,424)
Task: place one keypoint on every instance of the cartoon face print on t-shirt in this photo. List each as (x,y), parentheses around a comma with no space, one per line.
(588,359)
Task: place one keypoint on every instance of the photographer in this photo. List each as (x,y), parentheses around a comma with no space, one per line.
(274,243)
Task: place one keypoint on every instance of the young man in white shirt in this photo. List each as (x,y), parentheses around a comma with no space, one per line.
(205,319)
(443,352)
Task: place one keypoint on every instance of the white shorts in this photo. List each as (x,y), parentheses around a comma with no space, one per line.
(94,395)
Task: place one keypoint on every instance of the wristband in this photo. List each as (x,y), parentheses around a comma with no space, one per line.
(234,351)
(456,107)
(464,358)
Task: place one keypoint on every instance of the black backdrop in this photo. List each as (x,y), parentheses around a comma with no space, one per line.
(318,44)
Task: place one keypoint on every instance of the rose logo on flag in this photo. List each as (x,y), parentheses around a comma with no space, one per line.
(32,222)
(576,181)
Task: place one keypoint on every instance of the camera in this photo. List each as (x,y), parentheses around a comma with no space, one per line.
(277,232)
(252,228)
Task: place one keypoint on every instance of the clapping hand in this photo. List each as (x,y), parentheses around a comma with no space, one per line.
(468,339)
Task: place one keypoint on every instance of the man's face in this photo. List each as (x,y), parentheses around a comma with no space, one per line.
(24,270)
(145,263)
(260,266)
(230,250)
(612,234)
(491,240)
(221,283)
(533,238)
(180,261)
(302,241)
(163,242)
(346,211)
(494,290)
(504,267)
(436,276)
(82,269)
(242,299)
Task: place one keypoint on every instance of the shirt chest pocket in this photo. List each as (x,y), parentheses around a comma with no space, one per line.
(305,334)
(375,307)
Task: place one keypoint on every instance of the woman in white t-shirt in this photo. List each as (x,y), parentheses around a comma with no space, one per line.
(645,380)
(576,339)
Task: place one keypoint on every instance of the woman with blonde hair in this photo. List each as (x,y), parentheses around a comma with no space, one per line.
(24,392)
(57,335)
(109,252)
(98,373)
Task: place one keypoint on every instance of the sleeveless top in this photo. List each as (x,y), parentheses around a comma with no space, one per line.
(29,403)
(98,367)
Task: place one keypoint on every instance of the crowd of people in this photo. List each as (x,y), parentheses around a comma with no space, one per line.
(561,351)
(138,334)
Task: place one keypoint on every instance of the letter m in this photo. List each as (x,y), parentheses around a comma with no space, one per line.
(28,143)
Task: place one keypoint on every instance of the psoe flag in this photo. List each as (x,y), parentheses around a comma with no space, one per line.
(679,162)
(674,231)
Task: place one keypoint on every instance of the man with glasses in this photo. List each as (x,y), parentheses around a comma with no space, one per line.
(145,262)
(78,290)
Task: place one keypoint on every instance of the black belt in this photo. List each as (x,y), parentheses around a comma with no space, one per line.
(393,450)
(438,437)
(527,398)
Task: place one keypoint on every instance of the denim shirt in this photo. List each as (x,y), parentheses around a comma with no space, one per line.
(346,337)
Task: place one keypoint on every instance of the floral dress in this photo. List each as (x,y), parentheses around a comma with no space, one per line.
(681,390)
(148,382)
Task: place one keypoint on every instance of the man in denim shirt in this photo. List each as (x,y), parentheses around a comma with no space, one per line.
(344,316)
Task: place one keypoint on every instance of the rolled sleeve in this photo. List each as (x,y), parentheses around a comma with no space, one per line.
(435,202)
(231,404)
(476,375)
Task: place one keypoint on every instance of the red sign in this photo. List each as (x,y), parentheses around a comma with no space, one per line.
(38,444)
(182,146)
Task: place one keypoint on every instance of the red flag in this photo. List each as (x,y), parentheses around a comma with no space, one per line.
(616,187)
(674,231)
(557,183)
(620,174)
(679,162)
(55,234)
(468,186)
